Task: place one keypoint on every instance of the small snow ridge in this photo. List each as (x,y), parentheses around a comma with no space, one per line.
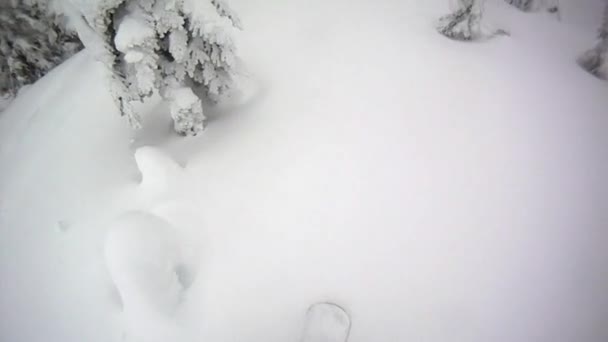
(156,168)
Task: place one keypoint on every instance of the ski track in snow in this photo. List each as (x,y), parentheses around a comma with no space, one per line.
(438,191)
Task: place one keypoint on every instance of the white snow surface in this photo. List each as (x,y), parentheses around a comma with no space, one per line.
(437,190)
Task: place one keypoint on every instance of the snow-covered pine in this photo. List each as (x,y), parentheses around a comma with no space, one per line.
(551,6)
(464,23)
(225,11)
(594,60)
(95,23)
(136,41)
(33,40)
(186,110)
(178,47)
(198,52)
(524,5)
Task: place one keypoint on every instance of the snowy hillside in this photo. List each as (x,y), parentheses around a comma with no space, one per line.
(437,190)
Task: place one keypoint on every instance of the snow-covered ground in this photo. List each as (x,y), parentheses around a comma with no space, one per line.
(437,190)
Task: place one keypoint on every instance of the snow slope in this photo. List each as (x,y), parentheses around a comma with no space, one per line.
(438,191)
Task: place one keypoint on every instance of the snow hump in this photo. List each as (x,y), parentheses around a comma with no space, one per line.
(156,167)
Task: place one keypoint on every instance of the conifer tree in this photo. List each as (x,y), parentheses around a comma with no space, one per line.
(594,60)
(32,42)
(464,23)
(181,48)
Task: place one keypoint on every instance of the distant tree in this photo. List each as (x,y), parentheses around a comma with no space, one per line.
(524,5)
(464,23)
(551,6)
(181,48)
(32,42)
(594,60)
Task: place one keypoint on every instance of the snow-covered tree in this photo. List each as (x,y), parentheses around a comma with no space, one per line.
(464,23)
(551,6)
(181,48)
(32,41)
(594,60)
(524,5)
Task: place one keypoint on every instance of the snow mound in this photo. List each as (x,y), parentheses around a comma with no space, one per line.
(156,168)
(143,258)
(186,218)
